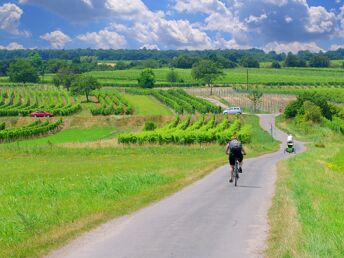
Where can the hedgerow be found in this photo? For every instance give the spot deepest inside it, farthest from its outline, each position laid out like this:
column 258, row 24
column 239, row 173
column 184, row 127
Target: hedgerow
column 35, row 129
column 179, row 100
column 185, row 132
column 111, row 102
column 22, row 101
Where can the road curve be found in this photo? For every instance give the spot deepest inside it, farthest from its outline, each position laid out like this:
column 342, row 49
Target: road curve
column 210, row 218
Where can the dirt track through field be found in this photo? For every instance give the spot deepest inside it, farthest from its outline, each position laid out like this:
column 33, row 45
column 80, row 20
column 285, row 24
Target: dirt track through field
column 210, row 218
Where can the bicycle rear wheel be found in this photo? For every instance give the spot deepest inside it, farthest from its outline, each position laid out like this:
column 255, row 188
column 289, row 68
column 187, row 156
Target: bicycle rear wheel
column 236, row 173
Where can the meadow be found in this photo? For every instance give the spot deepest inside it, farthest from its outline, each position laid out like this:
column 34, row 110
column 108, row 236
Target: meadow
column 85, row 164
column 265, row 76
column 307, row 214
column 42, row 182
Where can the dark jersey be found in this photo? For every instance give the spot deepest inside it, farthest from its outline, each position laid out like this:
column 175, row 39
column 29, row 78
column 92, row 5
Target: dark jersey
column 235, row 147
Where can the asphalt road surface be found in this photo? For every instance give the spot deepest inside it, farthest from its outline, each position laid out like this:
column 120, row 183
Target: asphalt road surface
column 210, row 218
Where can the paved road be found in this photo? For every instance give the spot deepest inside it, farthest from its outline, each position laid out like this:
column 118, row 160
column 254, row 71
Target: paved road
column 210, row 218
column 214, row 101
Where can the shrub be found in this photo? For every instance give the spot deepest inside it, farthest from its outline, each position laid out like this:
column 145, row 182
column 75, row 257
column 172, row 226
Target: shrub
column 172, row 76
column 312, row 112
column 275, row 65
column 149, row 126
column 146, row 79
column 292, row 109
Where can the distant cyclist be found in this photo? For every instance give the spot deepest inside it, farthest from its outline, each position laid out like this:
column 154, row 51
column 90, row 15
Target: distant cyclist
column 235, row 150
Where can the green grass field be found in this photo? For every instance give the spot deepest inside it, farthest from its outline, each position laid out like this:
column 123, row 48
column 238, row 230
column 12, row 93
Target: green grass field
column 42, row 184
column 263, row 75
column 307, row 216
column 77, row 135
column 147, row 106
column 232, row 76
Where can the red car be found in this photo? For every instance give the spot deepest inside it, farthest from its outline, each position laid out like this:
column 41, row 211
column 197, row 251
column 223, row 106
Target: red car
column 41, row 114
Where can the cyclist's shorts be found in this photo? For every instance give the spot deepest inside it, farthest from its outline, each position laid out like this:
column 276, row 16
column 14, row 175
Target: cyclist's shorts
column 233, row 156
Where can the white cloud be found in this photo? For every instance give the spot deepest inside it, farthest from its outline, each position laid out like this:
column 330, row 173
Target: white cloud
column 293, row 47
column 320, row 20
column 56, row 38
column 148, row 46
column 220, row 17
column 265, row 20
column 10, row 15
column 336, row 47
column 89, row 3
column 221, row 43
column 152, row 28
column 256, row 19
column 340, row 18
column 104, row 39
column 288, row 19
column 204, row 6
column 12, row 46
column 129, row 9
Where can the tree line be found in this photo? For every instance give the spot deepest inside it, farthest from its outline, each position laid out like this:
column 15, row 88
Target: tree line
column 143, row 54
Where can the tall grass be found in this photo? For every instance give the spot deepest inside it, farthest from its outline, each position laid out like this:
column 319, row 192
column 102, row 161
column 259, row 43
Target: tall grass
column 50, row 194
column 307, row 214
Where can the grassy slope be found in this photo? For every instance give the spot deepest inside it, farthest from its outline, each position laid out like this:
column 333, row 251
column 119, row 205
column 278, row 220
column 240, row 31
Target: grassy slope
column 75, row 134
column 238, row 75
column 147, row 106
column 42, row 186
column 307, row 216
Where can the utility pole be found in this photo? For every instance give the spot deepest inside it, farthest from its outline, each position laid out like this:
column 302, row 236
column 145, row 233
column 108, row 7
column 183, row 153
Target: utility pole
column 246, row 78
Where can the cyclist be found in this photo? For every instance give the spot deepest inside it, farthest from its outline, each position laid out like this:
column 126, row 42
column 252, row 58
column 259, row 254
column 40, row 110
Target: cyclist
column 234, row 150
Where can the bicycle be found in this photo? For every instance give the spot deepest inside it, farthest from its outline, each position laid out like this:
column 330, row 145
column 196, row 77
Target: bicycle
column 236, row 172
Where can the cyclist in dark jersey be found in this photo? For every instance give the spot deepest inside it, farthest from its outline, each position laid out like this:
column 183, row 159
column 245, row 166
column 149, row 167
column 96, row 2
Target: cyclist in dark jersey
column 235, row 150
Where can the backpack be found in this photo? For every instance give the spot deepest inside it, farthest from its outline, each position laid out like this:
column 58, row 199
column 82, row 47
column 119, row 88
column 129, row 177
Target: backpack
column 235, row 146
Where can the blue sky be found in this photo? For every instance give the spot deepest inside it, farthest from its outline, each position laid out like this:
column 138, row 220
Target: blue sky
column 280, row 25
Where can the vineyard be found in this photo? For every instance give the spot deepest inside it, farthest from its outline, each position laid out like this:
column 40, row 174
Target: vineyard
column 22, row 101
column 334, row 94
column 187, row 132
column 111, row 102
column 270, row 102
column 180, row 101
column 36, row 128
column 263, row 76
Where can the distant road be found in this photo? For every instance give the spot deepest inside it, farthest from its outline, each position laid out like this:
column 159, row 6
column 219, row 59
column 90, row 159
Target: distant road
column 214, row 101
column 210, row 218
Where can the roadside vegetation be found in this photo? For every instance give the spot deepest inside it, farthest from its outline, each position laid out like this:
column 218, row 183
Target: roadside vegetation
column 307, row 214
column 42, row 183
column 117, row 150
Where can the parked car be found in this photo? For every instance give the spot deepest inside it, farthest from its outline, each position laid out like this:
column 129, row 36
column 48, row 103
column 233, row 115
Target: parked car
column 41, row 114
column 232, row 111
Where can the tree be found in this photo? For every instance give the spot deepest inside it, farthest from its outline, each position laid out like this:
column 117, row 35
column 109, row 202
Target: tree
column 293, row 61
column 249, row 62
column 206, row 71
column 255, row 96
column 172, row 76
column 35, row 59
column 275, row 65
column 84, row 84
column 319, row 61
column 312, row 112
column 22, row 70
column 150, row 63
column 183, row 62
column 146, row 79
column 4, row 67
column 120, row 65
column 64, row 77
